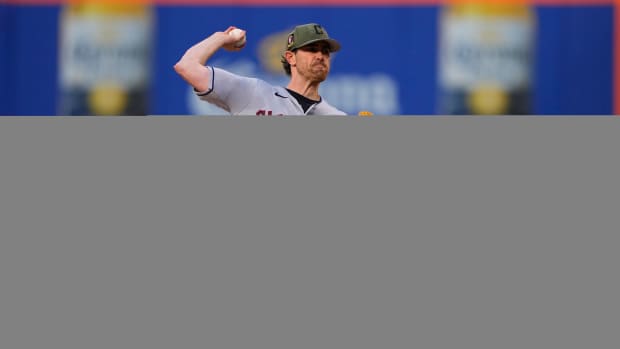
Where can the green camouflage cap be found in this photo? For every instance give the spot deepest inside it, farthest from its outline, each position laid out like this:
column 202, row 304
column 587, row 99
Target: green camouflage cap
column 306, row 34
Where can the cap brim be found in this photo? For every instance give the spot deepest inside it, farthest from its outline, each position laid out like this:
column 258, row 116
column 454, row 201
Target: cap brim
column 333, row 44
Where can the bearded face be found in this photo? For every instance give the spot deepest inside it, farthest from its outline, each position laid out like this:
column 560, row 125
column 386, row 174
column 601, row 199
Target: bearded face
column 313, row 61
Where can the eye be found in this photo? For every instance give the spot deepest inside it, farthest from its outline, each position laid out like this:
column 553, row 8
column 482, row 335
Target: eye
column 318, row 48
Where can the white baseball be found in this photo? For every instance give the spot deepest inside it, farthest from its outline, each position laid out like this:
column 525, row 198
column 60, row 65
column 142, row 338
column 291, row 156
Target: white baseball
column 239, row 35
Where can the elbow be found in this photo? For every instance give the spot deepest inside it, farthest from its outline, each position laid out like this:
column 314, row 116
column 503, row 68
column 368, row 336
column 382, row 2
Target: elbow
column 180, row 67
column 193, row 73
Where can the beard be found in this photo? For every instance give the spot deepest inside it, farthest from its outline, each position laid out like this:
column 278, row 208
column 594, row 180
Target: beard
column 317, row 72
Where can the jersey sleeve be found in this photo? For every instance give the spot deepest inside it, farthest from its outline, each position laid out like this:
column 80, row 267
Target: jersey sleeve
column 228, row 91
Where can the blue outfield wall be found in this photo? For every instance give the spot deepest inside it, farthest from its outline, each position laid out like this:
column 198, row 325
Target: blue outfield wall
column 30, row 60
column 378, row 69
column 574, row 64
column 4, row 55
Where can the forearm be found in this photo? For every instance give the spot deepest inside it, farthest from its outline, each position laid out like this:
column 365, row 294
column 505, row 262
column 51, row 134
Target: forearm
column 191, row 66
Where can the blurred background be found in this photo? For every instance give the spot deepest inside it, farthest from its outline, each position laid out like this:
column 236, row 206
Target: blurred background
column 399, row 57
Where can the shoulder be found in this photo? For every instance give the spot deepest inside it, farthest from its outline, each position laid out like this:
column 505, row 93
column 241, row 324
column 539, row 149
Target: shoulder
column 223, row 74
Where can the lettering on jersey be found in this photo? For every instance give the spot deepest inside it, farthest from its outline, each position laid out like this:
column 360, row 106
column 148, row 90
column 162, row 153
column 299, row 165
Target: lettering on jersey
column 266, row 112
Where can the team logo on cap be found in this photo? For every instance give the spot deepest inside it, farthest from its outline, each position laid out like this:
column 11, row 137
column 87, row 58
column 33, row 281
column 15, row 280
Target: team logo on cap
column 291, row 40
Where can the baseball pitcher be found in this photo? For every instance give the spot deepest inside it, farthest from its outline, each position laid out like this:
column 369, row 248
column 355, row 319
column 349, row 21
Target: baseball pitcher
column 306, row 60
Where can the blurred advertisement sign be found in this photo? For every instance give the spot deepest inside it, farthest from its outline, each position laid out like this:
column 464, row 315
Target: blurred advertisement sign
column 105, row 54
column 486, row 58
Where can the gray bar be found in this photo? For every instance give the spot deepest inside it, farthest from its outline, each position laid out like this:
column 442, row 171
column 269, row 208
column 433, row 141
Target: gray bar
column 283, row 232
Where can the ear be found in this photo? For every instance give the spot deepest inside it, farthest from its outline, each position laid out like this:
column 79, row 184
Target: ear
column 290, row 57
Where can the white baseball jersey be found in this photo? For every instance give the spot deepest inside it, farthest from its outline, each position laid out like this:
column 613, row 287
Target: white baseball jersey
column 240, row 95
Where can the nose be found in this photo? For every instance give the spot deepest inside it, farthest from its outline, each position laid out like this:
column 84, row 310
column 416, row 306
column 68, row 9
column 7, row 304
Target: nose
column 323, row 53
